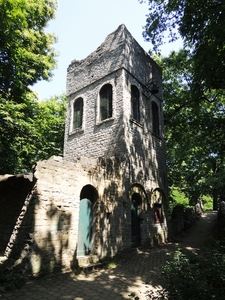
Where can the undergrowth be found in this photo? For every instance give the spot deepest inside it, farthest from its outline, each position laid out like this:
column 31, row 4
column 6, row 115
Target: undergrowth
column 10, row 278
column 196, row 275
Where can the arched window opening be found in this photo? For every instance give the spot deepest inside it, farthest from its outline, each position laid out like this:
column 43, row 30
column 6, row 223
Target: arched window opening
column 136, row 199
column 157, row 201
column 135, row 101
column 158, row 216
column 88, row 191
column 155, row 118
column 78, row 113
column 106, row 102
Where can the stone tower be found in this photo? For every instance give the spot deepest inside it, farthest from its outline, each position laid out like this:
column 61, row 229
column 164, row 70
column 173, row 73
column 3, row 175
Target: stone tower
column 115, row 106
column 109, row 191
column 115, row 124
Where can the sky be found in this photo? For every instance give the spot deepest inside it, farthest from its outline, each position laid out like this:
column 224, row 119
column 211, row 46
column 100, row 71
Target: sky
column 82, row 25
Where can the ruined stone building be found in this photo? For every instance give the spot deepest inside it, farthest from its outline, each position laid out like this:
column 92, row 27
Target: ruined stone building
column 109, row 191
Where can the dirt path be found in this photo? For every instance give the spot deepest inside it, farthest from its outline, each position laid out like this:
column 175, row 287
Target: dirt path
column 200, row 234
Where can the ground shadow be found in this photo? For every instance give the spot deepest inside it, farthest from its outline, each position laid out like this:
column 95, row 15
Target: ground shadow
column 136, row 271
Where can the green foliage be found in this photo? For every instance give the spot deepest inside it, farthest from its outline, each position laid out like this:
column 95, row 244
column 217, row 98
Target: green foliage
column 14, row 129
column 10, row 279
column 26, row 53
column 193, row 131
column 201, row 25
column 194, row 85
column 196, row 276
column 178, row 197
column 30, row 131
column 207, row 202
column 49, row 121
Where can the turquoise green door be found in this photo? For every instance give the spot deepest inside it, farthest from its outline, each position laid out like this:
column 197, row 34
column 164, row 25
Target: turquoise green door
column 84, row 228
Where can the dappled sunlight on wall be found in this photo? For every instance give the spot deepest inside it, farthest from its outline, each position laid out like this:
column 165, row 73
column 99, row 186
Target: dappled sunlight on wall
column 111, row 165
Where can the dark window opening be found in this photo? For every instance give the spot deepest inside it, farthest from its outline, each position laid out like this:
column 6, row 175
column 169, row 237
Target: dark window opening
column 106, row 102
column 135, row 101
column 135, row 220
column 89, row 192
column 78, row 113
column 158, row 215
column 155, row 118
column 136, row 199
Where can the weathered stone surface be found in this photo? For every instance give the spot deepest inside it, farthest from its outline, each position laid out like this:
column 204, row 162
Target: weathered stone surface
column 119, row 51
column 118, row 164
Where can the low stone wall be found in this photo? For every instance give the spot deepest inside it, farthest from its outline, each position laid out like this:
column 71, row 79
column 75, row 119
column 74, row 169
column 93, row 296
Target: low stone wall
column 42, row 232
column 221, row 210
column 38, row 225
column 184, row 218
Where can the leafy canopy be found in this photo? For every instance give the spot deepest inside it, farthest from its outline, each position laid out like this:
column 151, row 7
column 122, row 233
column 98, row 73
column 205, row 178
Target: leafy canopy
column 194, row 131
column 26, row 52
column 30, row 131
column 194, row 83
column 201, row 25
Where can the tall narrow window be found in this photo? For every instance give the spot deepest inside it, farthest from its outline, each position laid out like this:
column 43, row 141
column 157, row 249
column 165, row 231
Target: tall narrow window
column 78, row 113
column 135, row 101
column 106, row 102
column 155, row 118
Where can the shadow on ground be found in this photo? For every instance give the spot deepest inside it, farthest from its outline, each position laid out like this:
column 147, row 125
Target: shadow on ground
column 133, row 273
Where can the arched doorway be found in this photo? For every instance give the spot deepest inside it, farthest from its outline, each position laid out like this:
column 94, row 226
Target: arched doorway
column 88, row 197
column 135, row 220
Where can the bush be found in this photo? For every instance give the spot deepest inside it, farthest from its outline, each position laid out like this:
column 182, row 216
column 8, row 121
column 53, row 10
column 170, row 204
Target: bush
column 196, row 276
column 10, row 278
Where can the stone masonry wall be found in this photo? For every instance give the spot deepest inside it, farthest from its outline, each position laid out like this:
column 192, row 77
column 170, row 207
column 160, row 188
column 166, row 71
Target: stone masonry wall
column 146, row 151
column 119, row 50
column 122, row 62
column 96, row 139
column 47, row 236
column 119, row 135
column 108, row 162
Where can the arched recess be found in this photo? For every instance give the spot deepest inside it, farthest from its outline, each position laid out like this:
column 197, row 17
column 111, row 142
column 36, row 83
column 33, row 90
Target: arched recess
column 90, row 192
column 88, row 197
column 138, row 201
column 78, row 113
column 158, row 203
column 106, row 102
column 155, row 118
column 135, row 101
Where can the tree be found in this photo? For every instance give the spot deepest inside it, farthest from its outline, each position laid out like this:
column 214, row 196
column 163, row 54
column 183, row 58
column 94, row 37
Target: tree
column 195, row 100
column 49, row 120
column 30, row 131
column 201, row 25
column 26, row 52
column 26, row 56
column 194, row 131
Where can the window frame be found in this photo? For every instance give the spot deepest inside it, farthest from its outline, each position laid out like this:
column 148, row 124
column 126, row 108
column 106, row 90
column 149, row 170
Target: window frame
column 155, row 118
column 106, row 94
column 135, row 103
column 79, row 102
